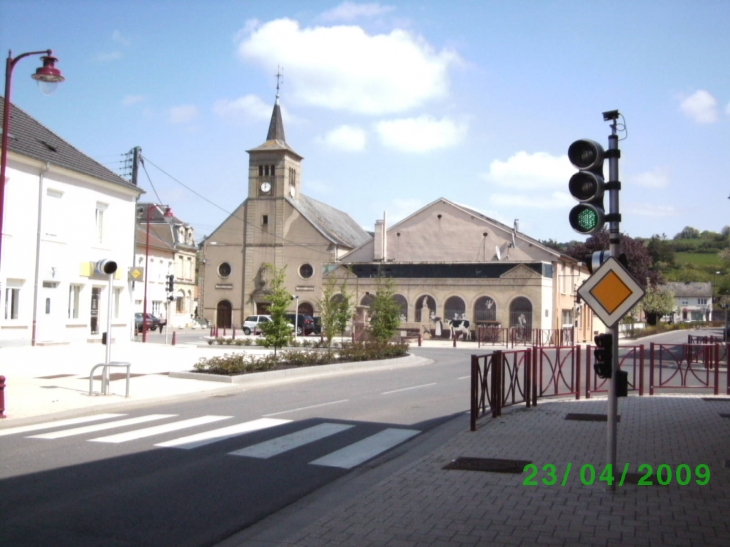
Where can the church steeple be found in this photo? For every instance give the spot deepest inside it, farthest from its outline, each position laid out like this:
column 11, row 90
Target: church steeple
column 276, row 126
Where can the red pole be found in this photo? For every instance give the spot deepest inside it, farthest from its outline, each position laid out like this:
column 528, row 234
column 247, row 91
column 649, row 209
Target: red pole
column 174, row 340
column 233, row 333
column 2, row 396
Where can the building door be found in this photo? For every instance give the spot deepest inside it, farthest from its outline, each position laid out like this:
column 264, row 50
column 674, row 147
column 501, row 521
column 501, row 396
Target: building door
column 224, row 315
column 95, row 297
column 50, row 313
column 262, row 308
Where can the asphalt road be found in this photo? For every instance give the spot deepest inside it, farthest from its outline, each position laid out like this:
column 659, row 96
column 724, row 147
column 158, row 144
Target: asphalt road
column 115, row 481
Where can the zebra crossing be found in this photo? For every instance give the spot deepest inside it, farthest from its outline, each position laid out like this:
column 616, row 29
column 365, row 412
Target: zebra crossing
column 348, row 457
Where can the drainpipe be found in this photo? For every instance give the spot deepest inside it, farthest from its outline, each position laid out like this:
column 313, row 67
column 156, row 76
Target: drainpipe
column 41, row 177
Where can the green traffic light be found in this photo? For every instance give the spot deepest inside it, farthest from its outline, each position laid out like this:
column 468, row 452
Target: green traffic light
column 586, row 218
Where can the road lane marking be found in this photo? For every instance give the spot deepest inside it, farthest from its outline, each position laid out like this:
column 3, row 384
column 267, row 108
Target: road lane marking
column 102, row 427
column 407, row 388
column 294, row 440
column 158, row 429
column 464, row 378
column 361, row 451
column 305, row 408
column 58, row 423
column 208, row 437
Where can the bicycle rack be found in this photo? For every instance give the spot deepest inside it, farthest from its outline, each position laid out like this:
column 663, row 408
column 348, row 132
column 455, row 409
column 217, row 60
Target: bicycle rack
column 105, row 377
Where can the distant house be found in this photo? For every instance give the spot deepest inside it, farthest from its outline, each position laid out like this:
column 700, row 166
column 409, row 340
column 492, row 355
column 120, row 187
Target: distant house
column 693, row 300
column 63, row 212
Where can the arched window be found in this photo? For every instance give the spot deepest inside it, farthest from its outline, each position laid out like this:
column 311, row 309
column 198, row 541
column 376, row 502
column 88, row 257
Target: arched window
column 520, row 313
column 403, row 304
column 367, row 300
column 485, row 309
column 423, row 315
column 306, row 308
column 454, row 308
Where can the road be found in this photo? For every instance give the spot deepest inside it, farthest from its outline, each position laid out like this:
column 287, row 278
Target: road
column 194, row 473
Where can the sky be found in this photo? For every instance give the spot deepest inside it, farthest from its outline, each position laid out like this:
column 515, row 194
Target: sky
column 395, row 104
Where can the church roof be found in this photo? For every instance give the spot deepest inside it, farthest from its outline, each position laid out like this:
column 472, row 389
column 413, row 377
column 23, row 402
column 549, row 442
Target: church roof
column 275, row 139
column 336, row 225
column 30, row 138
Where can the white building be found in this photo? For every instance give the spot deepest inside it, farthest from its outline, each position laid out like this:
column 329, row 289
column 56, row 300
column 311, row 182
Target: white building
column 693, row 300
column 63, row 212
column 170, row 250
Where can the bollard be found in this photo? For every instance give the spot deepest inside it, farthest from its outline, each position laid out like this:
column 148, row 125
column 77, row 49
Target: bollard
column 420, row 339
column 455, row 335
column 2, row 396
column 233, row 333
column 174, row 338
column 211, row 330
column 224, row 332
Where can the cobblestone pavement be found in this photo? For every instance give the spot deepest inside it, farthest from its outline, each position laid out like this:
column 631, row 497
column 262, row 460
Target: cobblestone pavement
column 421, row 504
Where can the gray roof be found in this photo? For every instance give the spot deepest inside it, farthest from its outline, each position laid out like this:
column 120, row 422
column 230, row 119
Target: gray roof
column 276, row 126
column 337, row 225
column 694, row 289
column 30, row 138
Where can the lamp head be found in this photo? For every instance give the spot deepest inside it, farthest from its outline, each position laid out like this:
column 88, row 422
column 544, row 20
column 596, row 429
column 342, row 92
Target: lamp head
column 48, row 76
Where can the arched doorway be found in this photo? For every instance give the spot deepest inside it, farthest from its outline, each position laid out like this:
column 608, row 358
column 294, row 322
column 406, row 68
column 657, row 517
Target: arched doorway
column 454, row 308
column 367, row 300
column 520, row 313
column 224, row 313
column 426, row 301
column 306, row 308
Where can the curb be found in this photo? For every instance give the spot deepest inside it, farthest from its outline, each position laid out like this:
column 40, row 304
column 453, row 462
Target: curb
column 305, row 372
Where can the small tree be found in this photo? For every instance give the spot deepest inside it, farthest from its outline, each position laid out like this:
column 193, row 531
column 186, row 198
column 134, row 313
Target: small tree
column 278, row 331
column 386, row 310
column 657, row 302
column 335, row 308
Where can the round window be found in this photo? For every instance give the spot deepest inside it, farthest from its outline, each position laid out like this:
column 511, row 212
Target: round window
column 224, row 270
column 306, row 271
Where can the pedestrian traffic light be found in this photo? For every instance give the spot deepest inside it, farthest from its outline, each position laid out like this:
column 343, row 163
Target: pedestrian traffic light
column 170, row 283
column 587, row 186
column 603, row 355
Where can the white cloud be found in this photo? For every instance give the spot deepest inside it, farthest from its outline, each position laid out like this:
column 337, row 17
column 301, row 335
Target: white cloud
column 701, row 107
column 183, row 114
column 651, row 210
column 120, row 39
column 421, row 134
column 531, row 171
column 344, row 68
column 658, row 178
column 108, row 56
column 349, row 138
column 248, row 106
column 349, row 11
column 130, row 100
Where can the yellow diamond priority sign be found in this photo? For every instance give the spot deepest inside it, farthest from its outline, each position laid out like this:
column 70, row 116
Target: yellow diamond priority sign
column 611, row 292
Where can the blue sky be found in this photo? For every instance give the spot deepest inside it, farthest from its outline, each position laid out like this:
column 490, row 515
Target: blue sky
column 396, row 104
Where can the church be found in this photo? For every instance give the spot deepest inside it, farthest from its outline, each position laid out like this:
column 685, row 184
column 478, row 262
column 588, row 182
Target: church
column 448, row 261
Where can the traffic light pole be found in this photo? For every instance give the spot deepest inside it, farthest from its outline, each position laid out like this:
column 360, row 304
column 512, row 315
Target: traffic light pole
column 614, row 240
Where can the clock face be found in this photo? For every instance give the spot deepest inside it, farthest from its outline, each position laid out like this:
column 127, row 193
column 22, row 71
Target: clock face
column 266, row 187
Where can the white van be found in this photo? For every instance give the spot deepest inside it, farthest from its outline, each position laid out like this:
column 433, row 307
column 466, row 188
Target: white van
column 252, row 322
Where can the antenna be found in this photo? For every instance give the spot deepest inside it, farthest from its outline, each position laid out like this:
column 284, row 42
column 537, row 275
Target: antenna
column 279, row 80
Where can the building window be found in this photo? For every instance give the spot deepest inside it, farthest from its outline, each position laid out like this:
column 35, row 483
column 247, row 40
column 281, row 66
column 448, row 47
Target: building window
column 156, row 307
column 261, row 170
column 74, row 297
column 265, row 219
column 306, row 271
column 53, row 220
column 99, row 221
column 12, row 303
column 117, row 301
column 180, row 304
column 224, row 270
column 702, row 300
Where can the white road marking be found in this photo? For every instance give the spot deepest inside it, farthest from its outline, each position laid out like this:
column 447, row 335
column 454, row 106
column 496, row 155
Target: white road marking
column 357, row 453
column 306, row 407
column 208, row 437
column 285, row 443
column 58, row 423
column 407, row 388
column 158, row 429
column 464, row 378
column 102, row 427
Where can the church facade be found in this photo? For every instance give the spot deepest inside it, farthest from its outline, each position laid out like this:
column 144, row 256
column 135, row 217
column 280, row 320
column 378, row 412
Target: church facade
column 447, row 260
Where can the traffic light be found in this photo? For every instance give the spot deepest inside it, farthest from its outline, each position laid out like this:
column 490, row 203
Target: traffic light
column 603, row 355
column 105, row 266
column 170, row 287
column 587, row 186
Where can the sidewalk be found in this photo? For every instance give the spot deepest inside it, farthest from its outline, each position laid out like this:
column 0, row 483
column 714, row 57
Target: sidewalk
column 406, row 498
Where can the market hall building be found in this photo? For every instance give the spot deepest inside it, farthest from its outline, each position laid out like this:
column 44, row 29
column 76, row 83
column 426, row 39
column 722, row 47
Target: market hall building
column 447, row 260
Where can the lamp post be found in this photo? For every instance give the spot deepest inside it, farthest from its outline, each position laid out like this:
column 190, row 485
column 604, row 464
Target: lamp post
column 47, row 76
column 296, row 316
column 168, row 217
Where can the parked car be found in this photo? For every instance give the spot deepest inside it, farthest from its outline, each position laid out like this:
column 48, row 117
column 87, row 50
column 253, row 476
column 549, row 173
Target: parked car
column 253, row 322
column 152, row 322
column 305, row 323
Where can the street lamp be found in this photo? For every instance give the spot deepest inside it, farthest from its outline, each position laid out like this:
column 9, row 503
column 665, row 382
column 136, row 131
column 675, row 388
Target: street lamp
column 168, row 216
column 48, row 77
column 296, row 316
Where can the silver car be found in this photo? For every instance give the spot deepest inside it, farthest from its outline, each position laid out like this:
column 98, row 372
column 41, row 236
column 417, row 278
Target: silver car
column 253, row 322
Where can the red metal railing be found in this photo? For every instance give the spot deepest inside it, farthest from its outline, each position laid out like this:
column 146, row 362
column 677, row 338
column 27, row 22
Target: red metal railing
column 631, row 359
column 686, row 366
column 522, row 336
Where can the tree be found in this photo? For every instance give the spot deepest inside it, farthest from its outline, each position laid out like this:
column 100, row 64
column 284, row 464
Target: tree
column 278, row 331
column 688, row 233
column 386, row 311
column 335, row 308
column 657, row 302
column 639, row 260
column 661, row 252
